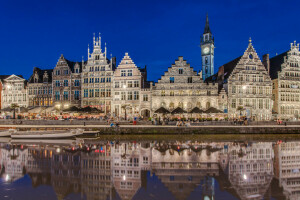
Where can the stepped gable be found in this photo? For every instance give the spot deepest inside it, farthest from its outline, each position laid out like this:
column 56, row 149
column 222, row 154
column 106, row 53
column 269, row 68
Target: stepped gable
column 72, row 64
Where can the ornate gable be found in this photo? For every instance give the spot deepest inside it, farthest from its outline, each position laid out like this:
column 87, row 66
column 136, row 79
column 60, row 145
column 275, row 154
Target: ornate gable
column 14, row 78
column 62, row 61
column 293, row 57
column 249, row 63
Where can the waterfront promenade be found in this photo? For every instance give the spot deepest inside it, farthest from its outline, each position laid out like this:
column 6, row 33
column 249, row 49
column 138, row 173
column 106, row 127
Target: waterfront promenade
column 164, row 129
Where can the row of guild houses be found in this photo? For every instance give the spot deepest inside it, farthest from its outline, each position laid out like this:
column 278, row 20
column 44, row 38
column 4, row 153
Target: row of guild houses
column 246, row 86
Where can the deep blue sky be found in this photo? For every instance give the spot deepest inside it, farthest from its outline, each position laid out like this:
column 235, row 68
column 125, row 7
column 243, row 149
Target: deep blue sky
column 154, row 33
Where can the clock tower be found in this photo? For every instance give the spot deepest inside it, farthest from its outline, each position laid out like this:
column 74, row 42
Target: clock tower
column 207, row 52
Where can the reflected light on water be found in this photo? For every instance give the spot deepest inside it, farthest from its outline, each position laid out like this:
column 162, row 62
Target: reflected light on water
column 95, row 169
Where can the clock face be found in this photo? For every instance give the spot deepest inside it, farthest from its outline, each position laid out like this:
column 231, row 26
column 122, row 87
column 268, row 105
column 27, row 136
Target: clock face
column 205, row 50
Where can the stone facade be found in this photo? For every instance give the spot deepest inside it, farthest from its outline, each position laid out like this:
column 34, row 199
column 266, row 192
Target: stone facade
column 129, row 160
column 249, row 168
column 250, row 88
column 96, row 79
column 285, row 72
column 96, row 177
column 287, row 162
column 182, row 87
column 14, row 91
column 66, row 83
column 40, row 88
column 131, row 91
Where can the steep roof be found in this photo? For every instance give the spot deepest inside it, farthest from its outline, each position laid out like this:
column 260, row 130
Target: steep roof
column 41, row 73
column 2, row 77
column 228, row 68
column 275, row 64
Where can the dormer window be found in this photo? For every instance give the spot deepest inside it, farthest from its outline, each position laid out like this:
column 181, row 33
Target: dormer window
column 76, row 70
column 180, row 71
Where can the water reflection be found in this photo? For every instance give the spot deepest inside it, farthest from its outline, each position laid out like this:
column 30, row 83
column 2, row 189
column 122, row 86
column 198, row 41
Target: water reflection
column 156, row 170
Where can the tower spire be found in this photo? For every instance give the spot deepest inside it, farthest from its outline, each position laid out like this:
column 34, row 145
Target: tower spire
column 207, row 29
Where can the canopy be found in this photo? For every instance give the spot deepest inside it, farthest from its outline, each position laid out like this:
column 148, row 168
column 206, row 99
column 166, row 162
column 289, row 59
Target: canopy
column 213, row 110
column 196, row 110
column 90, row 110
column 178, row 110
column 162, row 110
column 17, row 109
column 72, row 109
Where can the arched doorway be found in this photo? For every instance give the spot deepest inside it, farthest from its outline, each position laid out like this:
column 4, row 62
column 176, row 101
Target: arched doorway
column 145, row 113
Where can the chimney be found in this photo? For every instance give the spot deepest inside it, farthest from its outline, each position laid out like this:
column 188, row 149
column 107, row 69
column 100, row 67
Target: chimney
column 266, row 62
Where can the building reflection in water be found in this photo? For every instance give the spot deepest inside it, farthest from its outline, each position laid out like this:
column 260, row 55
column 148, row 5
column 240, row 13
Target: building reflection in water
column 115, row 169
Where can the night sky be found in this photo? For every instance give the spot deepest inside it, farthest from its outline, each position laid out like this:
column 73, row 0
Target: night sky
column 154, row 33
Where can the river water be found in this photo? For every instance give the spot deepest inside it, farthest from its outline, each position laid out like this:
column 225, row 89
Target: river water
column 122, row 168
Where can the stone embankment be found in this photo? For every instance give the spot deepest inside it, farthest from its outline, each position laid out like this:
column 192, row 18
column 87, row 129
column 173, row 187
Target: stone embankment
column 165, row 130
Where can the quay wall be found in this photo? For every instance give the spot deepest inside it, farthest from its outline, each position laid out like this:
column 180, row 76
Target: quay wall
column 168, row 130
column 198, row 130
column 104, row 122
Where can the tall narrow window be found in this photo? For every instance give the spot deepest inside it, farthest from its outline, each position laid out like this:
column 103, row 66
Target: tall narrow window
column 129, row 72
column 171, row 79
column 123, row 72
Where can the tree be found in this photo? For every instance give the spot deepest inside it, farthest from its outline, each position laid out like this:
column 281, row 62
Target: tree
column 240, row 108
column 14, row 106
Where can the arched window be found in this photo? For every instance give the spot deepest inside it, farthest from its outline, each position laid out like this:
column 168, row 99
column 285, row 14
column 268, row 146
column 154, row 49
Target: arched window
column 207, row 105
column 180, row 104
column 171, row 106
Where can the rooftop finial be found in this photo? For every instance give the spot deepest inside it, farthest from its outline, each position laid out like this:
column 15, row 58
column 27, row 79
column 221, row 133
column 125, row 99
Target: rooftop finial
column 250, row 41
column 105, row 50
column 94, row 40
